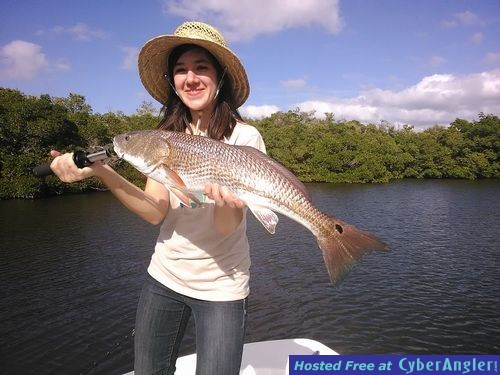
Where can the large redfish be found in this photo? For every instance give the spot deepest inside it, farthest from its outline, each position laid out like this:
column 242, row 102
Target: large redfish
column 184, row 163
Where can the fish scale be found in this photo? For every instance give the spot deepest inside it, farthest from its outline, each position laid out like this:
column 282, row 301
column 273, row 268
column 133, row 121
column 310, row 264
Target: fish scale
column 185, row 162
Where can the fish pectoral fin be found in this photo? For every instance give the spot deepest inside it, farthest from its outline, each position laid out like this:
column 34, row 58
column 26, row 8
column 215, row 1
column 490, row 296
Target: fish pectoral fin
column 186, row 197
column 177, row 186
column 266, row 217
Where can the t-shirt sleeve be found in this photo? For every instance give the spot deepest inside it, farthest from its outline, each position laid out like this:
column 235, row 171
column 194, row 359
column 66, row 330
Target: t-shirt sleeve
column 249, row 136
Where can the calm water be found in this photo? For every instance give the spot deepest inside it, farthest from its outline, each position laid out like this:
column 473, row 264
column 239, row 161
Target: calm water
column 71, row 269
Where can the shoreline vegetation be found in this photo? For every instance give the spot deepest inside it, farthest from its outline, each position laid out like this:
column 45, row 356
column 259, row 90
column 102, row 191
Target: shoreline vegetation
column 314, row 149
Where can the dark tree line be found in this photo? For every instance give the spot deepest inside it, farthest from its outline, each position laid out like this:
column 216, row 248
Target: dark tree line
column 319, row 150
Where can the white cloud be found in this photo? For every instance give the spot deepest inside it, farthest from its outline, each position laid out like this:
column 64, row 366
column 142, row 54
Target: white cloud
column 492, row 58
column 254, row 111
column 436, row 99
column 81, row 31
column 58, row 29
column 84, row 32
column 477, row 38
column 60, row 65
column 21, row 60
column 130, row 60
column 294, row 83
column 244, row 19
column 466, row 18
column 436, row 61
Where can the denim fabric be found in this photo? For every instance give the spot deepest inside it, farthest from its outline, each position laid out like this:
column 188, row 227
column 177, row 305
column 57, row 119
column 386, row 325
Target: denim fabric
column 162, row 317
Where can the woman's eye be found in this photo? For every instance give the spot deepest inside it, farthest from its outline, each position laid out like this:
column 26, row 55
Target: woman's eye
column 179, row 71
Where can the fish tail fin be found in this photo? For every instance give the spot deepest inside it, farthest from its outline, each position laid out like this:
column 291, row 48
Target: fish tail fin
column 343, row 245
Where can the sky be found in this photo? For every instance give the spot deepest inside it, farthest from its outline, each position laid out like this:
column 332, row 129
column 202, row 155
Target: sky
column 421, row 63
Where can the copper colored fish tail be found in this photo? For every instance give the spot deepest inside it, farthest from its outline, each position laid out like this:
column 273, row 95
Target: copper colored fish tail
column 343, row 245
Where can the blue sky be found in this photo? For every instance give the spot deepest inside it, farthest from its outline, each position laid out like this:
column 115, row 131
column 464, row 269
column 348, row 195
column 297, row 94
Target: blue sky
column 420, row 62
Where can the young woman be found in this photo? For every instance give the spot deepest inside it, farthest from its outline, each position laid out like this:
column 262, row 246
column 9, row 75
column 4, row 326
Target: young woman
column 200, row 266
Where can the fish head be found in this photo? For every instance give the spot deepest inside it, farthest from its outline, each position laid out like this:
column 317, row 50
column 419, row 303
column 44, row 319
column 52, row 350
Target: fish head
column 145, row 150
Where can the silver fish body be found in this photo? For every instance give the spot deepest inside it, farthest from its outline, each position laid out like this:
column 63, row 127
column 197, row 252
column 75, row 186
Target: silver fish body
column 184, row 163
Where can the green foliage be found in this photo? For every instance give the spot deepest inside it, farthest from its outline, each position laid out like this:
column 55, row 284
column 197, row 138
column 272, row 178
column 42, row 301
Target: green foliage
column 316, row 150
column 32, row 126
column 348, row 151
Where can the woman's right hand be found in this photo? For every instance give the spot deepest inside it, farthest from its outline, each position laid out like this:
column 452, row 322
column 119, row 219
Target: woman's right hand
column 150, row 204
column 65, row 168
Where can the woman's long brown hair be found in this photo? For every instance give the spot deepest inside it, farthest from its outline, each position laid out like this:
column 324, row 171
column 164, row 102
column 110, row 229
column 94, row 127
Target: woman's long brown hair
column 176, row 115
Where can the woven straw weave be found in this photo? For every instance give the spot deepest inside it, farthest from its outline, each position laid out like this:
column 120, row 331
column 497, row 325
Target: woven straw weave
column 201, row 31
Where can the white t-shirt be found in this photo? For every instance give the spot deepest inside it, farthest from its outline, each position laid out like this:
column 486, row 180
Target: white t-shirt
column 192, row 258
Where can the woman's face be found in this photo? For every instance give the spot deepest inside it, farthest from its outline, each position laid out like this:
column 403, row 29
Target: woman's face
column 195, row 80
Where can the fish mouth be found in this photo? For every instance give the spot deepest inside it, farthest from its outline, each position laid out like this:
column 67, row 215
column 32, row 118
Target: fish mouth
column 116, row 149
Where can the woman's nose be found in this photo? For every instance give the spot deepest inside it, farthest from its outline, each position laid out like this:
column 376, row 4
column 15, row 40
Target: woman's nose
column 191, row 77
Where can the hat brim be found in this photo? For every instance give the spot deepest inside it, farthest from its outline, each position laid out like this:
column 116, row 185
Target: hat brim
column 152, row 64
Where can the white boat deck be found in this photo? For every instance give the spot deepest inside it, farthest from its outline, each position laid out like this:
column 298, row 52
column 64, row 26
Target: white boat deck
column 263, row 358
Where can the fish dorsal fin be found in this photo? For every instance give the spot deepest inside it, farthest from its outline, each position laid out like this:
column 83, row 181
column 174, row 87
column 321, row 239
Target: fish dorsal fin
column 266, row 217
column 278, row 167
column 177, row 186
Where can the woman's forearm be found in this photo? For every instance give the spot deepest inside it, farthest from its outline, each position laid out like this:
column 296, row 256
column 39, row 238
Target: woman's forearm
column 150, row 204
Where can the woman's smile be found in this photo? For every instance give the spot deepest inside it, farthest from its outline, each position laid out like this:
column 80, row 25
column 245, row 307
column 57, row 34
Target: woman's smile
column 194, row 92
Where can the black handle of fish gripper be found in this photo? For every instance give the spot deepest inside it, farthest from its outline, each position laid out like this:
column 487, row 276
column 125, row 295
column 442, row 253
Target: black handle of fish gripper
column 79, row 157
column 42, row 170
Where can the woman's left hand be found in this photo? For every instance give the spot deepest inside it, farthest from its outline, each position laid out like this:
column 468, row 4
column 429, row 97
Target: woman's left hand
column 222, row 196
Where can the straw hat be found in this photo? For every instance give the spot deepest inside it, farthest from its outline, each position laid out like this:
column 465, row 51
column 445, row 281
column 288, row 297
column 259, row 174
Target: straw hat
column 154, row 55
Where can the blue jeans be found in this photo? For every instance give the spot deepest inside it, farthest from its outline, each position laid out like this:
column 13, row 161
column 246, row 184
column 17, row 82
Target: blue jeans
column 162, row 317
